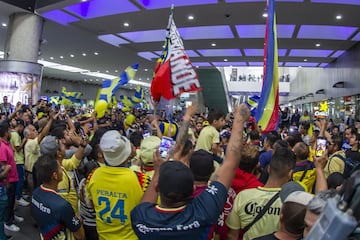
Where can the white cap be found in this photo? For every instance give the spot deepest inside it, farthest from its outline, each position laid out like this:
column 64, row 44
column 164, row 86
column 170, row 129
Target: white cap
column 115, row 147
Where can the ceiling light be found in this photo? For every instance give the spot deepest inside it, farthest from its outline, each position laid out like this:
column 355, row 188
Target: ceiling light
column 52, row 58
column 191, row 17
column 148, row 79
column 338, row 17
column 84, row 54
column 97, row 80
column 305, row 60
column 126, row 24
column 107, row 71
column 85, row 80
column 116, row 70
column 265, row 15
column 91, row 80
column 225, row 60
column 197, row 66
column 213, row 44
column 139, row 78
column 83, row 0
column 72, row 55
column 145, row 69
column 318, row 45
column 61, row 56
column 4, row 24
column 96, row 53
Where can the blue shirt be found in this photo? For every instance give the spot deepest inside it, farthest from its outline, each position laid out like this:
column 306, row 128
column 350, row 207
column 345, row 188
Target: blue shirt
column 265, row 158
column 53, row 214
column 192, row 221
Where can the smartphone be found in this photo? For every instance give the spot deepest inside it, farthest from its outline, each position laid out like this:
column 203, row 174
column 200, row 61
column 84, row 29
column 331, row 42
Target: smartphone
column 165, row 146
column 62, row 109
column 320, row 146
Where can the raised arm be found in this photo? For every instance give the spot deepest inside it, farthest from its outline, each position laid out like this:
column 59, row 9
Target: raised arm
column 182, row 137
column 226, row 172
column 47, row 127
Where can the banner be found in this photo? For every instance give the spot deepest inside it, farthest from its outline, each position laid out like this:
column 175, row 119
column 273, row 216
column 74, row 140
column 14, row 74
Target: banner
column 174, row 73
column 268, row 105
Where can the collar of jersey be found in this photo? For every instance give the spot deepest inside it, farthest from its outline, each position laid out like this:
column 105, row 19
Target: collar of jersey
column 269, row 189
column 47, row 189
column 172, row 210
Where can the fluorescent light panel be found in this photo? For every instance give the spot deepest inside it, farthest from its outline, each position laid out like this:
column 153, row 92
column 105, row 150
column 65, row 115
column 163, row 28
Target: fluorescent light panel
column 258, row 30
column 260, row 52
column 99, row 75
column 338, row 54
column 227, row 64
column 309, row 53
column 303, row 64
column 147, row 55
column 201, row 64
column 156, row 4
column 145, row 36
column 140, row 83
column 352, row 2
column 100, row 8
column 220, row 52
column 357, row 37
column 323, row 65
column 206, row 32
column 112, row 39
column 325, row 32
column 60, row 17
column 234, row 1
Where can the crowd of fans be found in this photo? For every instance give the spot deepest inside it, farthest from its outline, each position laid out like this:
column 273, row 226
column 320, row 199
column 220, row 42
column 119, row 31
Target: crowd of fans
column 223, row 178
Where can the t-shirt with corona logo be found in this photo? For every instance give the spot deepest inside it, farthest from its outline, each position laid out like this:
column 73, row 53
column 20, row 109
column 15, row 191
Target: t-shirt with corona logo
column 248, row 204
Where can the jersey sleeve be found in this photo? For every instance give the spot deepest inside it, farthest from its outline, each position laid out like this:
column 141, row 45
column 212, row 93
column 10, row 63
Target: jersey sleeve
column 70, row 220
column 233, row 220
column 211, row 202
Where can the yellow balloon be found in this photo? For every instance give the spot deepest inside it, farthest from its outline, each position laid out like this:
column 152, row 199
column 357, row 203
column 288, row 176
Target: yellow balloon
column 100, row 108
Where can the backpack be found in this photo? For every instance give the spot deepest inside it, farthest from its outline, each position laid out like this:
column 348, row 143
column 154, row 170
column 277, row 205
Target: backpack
column 305, row 174
column 350, row 165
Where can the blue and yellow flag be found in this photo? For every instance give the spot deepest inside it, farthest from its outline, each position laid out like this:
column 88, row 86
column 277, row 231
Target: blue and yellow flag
column 268, row 105
column 68, row 98
column 139, row 94
column 252, row 103
column 110, row 87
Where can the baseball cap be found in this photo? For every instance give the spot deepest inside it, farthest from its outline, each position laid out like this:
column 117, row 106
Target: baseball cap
column 299, row 197
column 176, row 180
column 201, row 165
column 205, row 123
column 115, row 147
column 49, row 145
column 289, row 188
column 226, row 134
column 147, row 148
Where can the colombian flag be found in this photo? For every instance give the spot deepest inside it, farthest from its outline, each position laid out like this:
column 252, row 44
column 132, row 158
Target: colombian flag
column 268, row 105
column 174, row 73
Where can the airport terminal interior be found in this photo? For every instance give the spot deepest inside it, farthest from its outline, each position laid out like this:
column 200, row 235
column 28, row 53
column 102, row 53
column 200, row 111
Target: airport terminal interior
column 76, row 70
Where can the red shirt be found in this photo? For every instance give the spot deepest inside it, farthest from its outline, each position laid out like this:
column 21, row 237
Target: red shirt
column 7, row 156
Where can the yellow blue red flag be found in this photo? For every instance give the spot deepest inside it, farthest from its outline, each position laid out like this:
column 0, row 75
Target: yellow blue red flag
column 268, row 105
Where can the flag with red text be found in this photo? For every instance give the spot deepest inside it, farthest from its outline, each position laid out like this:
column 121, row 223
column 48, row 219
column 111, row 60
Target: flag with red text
column 174, row 73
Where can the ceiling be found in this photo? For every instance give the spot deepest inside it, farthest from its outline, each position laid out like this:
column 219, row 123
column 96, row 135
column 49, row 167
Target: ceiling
column 222, row 33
